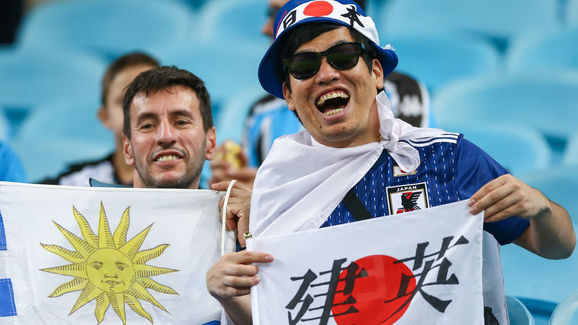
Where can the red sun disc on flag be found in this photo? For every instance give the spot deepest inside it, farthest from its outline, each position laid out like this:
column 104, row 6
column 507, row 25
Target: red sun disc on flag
column 376, row 292
column 318, row 9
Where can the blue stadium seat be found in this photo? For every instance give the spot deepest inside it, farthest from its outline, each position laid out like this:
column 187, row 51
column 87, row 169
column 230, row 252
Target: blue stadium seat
column 541, row 310
column 109, row 27
column 566, row 313
column 518, row 313
column 530, row 276
column 31, row 78
column 59, row 133
column 518, row 148
column 571, row 12
column 223, row 67
column 68, row 118
column 571, row 152
column 440, row 60
column 548, row 50
column 545, row 101
column 238, row 21
column 496, row 20
column 50, row 157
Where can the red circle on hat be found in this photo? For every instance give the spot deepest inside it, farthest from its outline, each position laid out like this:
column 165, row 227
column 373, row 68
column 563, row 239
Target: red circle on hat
column 318, row 9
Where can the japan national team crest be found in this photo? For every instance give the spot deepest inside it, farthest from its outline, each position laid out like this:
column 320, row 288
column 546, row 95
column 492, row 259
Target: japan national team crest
column 405, row 198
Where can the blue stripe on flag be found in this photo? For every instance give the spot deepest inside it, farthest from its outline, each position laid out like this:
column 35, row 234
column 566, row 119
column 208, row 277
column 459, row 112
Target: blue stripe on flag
column 2, row 235
column 7, row 306
column 214, row 322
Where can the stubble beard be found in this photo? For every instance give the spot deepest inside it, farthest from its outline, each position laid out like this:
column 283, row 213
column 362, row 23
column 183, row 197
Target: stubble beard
column 191, row 176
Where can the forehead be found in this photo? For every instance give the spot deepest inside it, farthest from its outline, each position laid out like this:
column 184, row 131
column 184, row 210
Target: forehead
column 277, row 3
column 169, row 100
column 126, row 76
column 326, row 40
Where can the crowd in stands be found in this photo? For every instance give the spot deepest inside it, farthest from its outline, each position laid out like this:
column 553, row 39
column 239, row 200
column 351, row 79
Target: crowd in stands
column 491, row 71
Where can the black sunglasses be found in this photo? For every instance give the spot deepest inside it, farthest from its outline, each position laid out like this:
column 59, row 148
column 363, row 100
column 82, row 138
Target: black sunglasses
column 342, row 56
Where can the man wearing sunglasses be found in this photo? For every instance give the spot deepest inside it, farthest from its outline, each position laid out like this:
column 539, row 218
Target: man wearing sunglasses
column 326, row 62
column 270, row 119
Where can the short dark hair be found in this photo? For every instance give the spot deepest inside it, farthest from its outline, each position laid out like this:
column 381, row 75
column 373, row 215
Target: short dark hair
column 163, row 77
column 307, row 32
column 132, row 59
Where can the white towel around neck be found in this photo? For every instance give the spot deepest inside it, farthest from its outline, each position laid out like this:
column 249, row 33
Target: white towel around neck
column 301, row 181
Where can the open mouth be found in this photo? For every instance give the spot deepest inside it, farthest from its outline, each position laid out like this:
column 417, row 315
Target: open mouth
column 332, row 102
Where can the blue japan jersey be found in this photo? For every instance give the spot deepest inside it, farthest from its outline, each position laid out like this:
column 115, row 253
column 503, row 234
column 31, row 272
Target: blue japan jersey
column 451, row 169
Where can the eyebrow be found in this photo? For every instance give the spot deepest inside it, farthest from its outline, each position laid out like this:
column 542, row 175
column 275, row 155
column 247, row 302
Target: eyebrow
column 145, row 116
column 183, row 112
column 178, row 112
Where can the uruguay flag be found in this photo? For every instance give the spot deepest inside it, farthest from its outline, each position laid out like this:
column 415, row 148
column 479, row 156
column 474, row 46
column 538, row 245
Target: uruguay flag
column 76, row 255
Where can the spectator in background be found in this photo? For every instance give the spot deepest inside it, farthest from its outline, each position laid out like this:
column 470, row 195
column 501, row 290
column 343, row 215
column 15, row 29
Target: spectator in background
column 269, row 118
column 10, row 168
column 111, row 169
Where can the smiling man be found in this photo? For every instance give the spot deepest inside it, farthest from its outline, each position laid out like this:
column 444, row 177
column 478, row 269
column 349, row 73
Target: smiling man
column 354, row 157
column 168, row 128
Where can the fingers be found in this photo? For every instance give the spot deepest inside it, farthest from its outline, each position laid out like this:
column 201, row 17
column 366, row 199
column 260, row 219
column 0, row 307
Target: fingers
column 490, row 198
column 247, row 257
column 220, row 186
column 234, row 274
column 507, row 196
column 487, row 188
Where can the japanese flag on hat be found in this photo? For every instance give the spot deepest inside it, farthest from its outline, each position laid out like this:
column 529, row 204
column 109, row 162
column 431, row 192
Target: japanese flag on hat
column 297, row 12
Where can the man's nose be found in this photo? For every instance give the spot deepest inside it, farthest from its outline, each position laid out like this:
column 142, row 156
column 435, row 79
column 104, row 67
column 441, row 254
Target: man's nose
column 165, row 133
column 326, row 73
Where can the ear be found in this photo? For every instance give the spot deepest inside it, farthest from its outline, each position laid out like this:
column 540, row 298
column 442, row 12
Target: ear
column 377, row 72
column 127, row 150
column 103, row 116
column 211, row 139
column 288, row 97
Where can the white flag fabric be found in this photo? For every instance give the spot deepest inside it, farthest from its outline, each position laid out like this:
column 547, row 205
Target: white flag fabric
column 422, row 267
column 80, row 255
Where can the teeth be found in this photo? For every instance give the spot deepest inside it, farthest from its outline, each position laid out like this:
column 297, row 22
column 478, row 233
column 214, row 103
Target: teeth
column 331, row 95
column 333, row 112
column 168, row 158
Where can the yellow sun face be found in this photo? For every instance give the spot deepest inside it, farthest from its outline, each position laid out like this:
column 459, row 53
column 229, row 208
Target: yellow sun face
column 108, row 268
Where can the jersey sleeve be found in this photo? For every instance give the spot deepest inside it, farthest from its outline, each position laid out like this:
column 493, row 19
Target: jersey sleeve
column 10, row 167
column 475, row 168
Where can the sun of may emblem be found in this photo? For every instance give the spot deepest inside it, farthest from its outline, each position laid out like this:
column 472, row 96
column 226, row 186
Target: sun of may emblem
column 108, row 268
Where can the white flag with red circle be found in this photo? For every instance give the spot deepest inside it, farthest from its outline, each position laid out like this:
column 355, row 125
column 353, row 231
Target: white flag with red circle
column 422, row 267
